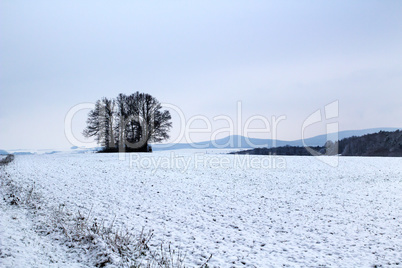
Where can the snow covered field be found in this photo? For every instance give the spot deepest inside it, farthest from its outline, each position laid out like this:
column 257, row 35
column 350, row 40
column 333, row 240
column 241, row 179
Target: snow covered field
column 252, row 211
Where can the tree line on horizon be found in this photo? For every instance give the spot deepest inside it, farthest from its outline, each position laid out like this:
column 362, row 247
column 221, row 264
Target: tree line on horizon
column 383, row 143
column 128, row 122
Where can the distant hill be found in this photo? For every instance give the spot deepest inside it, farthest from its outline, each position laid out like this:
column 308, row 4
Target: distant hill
column 2, row 152
column 383, row 143
column 236, row 141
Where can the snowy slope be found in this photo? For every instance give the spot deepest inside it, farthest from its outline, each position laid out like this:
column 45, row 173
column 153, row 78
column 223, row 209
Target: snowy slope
column 21, row 246
column 292, row 211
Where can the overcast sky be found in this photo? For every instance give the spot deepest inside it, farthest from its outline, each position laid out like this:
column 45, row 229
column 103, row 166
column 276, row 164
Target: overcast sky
column 277, row 57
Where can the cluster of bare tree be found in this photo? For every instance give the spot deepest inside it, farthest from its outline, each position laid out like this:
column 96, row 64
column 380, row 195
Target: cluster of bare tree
column 128, row 123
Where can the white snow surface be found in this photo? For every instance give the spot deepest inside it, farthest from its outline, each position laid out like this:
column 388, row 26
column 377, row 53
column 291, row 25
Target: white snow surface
column 21, row 246
column 293, row 211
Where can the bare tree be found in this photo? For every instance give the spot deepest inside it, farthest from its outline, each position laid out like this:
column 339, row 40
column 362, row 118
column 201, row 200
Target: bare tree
column 121, row 116
column 153, row 124
column 100, row 123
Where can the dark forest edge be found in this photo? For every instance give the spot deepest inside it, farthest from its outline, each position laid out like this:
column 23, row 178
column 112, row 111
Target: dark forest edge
column 383, row 143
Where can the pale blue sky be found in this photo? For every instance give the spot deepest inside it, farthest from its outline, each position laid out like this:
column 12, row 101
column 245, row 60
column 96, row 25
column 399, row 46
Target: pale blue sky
column 277, row 57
